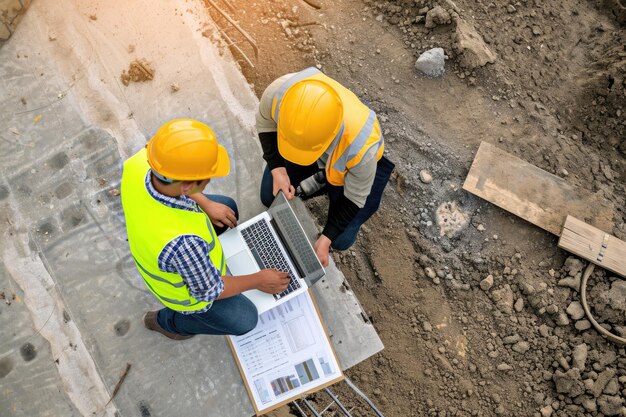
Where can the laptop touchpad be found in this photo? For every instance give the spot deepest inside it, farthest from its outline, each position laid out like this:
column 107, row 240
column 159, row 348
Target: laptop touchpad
column 242, row 263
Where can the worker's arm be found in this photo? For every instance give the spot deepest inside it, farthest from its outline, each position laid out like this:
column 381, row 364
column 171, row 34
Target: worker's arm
column 270, row 281
column 187, row 255
column 276, row 165
column 220, row 214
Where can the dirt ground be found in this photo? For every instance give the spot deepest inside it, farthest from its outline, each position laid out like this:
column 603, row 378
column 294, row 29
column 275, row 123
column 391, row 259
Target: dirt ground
column 483, row 320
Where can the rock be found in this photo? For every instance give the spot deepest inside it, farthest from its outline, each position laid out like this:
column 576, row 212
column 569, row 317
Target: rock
column 427, row 326
column 573, row 266
column 437, row 16
column 425, row 177
column 430, row 273
column 575, row 310
column 617, row 295
column 601, row 382
column 610, row 405
column 432, row 64
column 544, row 330
column 486, row 283
column 573, row 283
column 470, row 46
column 579, row 356
column 589, row 404
column 504, row 367
column 612, row 388
column 504, row 299
column 582, row 325
column 568, row 382
column 562, row 319
column 521, row 347
column 519, row 305
column 546, row 411
column 552, row 309
column 509, row 340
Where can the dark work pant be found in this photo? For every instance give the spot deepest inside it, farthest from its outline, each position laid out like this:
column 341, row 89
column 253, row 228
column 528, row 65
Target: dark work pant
column 297, row 173
column 234, row 315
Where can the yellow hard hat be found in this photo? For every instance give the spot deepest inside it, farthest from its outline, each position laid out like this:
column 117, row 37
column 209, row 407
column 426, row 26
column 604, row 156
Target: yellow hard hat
column 309, row 117
column 187, row 150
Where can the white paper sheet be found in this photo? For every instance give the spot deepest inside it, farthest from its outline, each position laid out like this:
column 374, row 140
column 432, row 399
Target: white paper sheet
column 287, row 354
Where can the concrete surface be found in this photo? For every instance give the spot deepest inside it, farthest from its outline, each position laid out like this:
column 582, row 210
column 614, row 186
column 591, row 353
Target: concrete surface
column 71, row 300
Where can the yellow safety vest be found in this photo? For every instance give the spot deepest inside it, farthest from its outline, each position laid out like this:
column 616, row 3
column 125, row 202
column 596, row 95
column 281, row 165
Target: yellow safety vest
column 151, row 225
column 360, row 133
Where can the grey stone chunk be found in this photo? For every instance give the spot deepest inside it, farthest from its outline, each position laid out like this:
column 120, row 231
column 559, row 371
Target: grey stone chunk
column 431, row 63
column 589, row 404
column 579, row 356
column 610, row 405
column 612, row 388
column 504, row 299
column 521, row 347
column 582, row 325
column 601, row 382
column 509, row 340
column 568, row 382
column 487, row 283
column 575, row 310
column 546, row 411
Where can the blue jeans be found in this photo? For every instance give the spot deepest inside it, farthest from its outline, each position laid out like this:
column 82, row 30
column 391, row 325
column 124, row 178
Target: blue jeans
column 234, row 315
column 297, row 173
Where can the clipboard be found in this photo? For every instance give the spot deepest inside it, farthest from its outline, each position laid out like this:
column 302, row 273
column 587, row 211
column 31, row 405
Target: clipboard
column 288, row 355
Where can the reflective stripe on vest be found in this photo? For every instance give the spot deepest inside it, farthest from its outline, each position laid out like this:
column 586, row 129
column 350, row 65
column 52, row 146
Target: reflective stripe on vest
column 151, row 226
column 360, row 132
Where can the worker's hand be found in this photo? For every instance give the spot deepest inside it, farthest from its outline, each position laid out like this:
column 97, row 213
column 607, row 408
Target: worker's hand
column 220, row 214
column 281, row 182
column 272, row 281
column 322, row 248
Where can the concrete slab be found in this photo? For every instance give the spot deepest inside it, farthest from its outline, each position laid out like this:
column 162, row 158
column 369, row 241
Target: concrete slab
column 71, row 316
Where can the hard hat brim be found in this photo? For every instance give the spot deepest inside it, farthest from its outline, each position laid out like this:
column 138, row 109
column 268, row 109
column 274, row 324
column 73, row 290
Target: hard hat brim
column 297, row 155
column 223, row 163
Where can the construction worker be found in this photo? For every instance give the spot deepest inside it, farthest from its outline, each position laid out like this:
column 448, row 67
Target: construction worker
column 314, row 130
column 172, row 237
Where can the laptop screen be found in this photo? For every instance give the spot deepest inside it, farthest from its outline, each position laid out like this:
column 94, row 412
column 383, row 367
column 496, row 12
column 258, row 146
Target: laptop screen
column 295, row 240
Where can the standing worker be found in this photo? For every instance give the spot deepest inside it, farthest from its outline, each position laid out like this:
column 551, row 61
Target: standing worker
column 317, row 136
column 171, row 234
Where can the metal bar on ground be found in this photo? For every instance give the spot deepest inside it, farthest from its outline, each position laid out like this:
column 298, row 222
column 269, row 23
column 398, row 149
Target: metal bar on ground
column 336, row 400
column 233, row 44
column 300, row 410
column 232, row 22
column 358, row 391
column 310, row 407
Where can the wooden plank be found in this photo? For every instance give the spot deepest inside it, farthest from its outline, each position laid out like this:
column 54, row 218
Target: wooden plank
column 594, row 245
column 533, row 194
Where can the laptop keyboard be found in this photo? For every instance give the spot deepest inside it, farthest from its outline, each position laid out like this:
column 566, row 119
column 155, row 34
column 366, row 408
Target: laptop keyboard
column 265, row 249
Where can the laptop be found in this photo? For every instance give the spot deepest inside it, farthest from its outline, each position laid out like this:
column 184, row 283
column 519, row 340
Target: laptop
column 272, row 239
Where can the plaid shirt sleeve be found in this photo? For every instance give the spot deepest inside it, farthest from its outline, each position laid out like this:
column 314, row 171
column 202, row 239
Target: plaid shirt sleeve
column 187, row 255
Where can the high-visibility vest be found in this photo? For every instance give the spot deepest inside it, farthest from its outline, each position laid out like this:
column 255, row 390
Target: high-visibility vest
column 361, row 130
column 151, row 225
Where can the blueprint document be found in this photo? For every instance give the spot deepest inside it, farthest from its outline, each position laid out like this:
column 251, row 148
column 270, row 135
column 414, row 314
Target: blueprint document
column 286, row 355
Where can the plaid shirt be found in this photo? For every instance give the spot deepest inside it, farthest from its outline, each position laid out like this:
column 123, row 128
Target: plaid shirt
column 188, row 255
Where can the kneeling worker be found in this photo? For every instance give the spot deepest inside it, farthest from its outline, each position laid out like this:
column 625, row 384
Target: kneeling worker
column 317, row 136
column 171, row 234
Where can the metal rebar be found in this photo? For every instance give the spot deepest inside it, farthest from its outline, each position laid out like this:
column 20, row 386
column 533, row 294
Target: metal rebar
column 358, row 391
column 310, row 407
column 336, row 400
column 300, row 410
column 232, row 22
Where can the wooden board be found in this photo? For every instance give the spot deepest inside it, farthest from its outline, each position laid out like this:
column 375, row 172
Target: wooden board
column 594, row 245
column 533, row 194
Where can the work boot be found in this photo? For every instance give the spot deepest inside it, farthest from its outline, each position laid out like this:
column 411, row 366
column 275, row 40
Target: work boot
column 150, row 321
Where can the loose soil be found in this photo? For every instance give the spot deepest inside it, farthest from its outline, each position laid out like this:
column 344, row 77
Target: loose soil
column 482, row 320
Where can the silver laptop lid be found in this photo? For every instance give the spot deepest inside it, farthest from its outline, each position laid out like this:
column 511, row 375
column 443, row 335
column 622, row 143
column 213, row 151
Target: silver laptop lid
column 295, row 240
